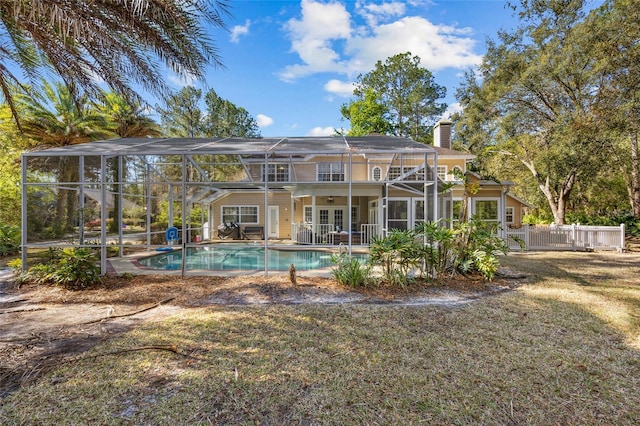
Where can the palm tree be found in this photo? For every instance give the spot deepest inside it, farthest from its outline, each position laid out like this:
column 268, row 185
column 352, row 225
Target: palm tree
column 55, row 119
column 120, row 43
column 127, row 118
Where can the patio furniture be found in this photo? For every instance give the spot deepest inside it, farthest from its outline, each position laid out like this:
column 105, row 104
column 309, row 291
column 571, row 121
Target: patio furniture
column 228, row 230
column 253, row 233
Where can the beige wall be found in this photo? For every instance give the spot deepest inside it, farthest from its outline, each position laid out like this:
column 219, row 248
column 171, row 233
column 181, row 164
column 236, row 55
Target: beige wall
column 282, row 199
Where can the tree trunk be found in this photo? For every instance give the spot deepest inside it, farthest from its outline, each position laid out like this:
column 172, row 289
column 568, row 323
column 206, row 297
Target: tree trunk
column 558, row 202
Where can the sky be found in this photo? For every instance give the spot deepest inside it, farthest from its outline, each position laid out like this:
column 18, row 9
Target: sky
column 291, row 64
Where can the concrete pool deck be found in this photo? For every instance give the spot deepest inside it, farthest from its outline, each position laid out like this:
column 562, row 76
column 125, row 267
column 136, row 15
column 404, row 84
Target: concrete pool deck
column 129, row 264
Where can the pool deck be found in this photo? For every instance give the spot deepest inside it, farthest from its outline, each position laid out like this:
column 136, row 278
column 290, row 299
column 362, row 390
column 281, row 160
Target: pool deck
column 129, row 264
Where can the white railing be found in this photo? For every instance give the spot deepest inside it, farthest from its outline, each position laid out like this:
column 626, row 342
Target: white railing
column 566, row 237
column 304, row 233
column 369, row 231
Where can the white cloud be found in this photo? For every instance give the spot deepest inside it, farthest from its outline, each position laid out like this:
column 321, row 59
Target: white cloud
column 340, row 88
column 239, row 30
column 312, row 36
column 438, row 46
column 452, row 109
column 322, row 131
column 373, row 13
column 181, row 81
column 326, row 39
column 264, row 120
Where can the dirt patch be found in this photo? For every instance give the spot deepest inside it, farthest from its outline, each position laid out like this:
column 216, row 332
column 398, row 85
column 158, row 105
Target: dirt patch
column 40, row 325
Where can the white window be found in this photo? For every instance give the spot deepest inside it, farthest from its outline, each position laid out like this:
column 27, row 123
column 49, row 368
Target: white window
column 355, row 218
column 408, row 173
column 487, row 210
column 510, row 212
column 276, row 173
column 376, row 173
column 394, row 172
column 442, row 172
column 240, row 214
column 330, row 172
column 308, row 214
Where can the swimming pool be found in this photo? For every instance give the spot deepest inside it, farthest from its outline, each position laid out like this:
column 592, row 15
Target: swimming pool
column 240, row 258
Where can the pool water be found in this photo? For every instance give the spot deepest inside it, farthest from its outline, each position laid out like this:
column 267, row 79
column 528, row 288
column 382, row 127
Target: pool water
column 240, row 258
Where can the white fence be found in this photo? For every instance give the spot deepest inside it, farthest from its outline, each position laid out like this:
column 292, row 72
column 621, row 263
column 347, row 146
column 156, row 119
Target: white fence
column 566, row 237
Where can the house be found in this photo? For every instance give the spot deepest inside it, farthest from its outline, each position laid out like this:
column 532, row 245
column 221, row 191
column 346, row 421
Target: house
column 470, row 194
column 309, row 190
column 331, row 190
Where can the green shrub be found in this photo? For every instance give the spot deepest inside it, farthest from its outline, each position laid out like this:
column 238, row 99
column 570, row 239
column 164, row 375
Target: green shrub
column 350, row 271
column 15, row 265
column 397, row 254
column 74, row 268
column 477, row 248
column 9, row 240
column 436, row 250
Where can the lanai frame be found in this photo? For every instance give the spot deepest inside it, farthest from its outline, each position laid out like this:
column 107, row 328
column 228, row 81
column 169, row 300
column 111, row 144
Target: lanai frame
column 96, row 163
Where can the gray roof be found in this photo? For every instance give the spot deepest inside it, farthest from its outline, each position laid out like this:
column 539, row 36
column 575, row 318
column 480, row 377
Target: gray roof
column 286, row 145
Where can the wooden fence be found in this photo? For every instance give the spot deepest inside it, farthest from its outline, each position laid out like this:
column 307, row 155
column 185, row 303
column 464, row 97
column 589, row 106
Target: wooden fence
column 566, row 237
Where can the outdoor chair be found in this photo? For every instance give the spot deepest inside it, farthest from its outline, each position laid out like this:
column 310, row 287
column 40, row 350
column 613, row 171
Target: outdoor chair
column 228, row 230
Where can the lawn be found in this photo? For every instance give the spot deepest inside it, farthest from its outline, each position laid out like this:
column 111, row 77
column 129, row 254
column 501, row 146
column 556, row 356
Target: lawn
column 563, row 349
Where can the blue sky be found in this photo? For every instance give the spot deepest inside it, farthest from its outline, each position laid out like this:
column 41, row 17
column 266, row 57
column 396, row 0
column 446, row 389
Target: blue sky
column 291, row 63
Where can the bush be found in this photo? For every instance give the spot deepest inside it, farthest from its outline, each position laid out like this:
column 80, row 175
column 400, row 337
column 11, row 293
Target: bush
column 436, row 250
column 9, row 240
column 397, row 253
column 350, row 271
column 478, row 247
column 73, row 268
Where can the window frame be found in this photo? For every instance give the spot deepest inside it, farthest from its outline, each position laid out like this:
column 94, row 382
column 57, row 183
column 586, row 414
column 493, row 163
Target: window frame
column 224, row 216
column 274, row 175
column 330, row 174
column 509, row 211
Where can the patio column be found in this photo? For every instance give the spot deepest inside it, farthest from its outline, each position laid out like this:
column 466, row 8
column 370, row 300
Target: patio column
column 103, row 215
column 349, row 202
column 435, row 185
column 24, row 214
column 184, row 215
column 266, row 214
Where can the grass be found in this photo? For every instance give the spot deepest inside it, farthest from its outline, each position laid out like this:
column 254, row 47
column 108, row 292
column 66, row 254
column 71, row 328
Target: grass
column 562, row 350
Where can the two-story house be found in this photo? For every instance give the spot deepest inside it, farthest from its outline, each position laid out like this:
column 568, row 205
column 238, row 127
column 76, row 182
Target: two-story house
column 470, row 194
column 309, row 190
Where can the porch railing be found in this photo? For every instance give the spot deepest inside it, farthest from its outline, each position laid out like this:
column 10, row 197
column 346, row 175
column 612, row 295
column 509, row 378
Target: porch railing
column 369, row 231
column 566, row 237
column 304, row 233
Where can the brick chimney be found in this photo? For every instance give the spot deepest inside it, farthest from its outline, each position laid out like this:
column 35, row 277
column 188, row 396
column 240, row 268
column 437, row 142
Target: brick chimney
column 442, row 134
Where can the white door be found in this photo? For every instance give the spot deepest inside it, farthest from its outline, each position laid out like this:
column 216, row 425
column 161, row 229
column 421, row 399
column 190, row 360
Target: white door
column 274, row 222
